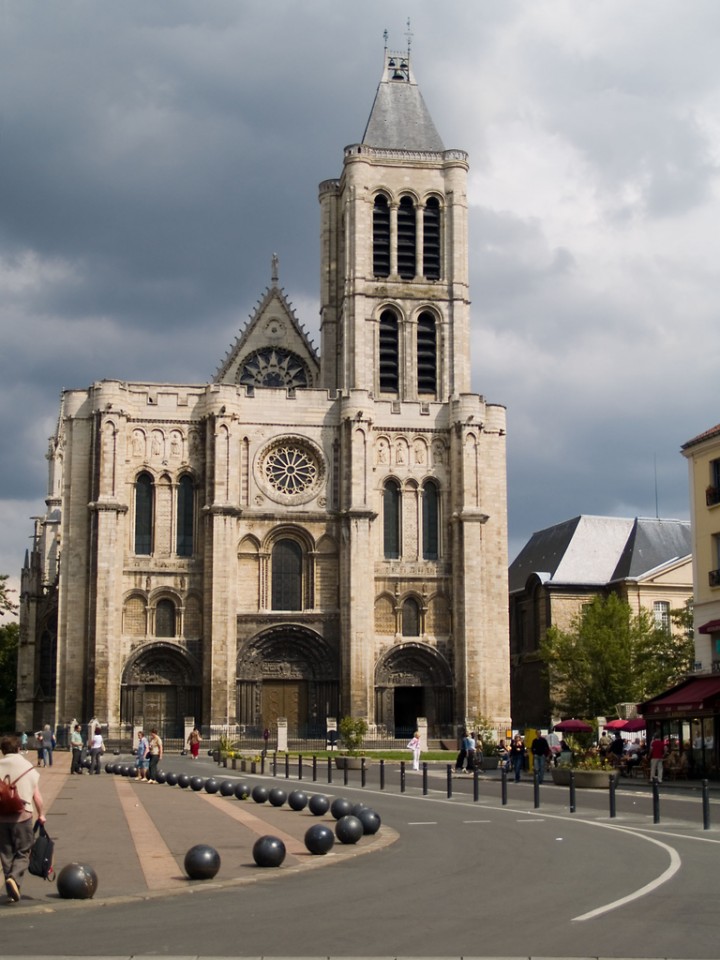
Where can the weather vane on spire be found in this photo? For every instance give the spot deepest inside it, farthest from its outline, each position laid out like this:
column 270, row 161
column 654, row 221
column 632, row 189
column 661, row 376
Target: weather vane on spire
column 409, row 35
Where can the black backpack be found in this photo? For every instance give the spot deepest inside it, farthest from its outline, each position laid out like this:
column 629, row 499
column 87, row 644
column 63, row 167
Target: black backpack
column 42, row 853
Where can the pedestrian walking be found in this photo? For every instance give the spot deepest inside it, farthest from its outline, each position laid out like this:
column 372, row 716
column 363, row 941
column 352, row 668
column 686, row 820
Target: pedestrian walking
column 156, row 752
column 97, row 749
column 541, row 753
column 142, row 757
column 517, row 756
column 76, row 745
column 414, row 745
column 194, row 743
column 657, row 755
column 16, row 829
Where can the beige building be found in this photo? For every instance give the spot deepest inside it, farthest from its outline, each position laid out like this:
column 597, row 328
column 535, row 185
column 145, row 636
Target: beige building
column 647, row 562
column 703, row 456
column 305, row 536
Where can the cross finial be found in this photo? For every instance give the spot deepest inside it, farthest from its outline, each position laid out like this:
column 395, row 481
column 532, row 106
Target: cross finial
column 409, row 35
column 275, row 269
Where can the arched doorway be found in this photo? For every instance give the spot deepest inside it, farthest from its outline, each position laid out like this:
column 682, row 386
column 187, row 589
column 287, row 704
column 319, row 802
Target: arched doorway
column 413, row 680
column 161, row 685
column 287, row 671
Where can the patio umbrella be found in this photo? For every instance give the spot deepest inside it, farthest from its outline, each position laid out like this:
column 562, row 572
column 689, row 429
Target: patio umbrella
column 573, row 726
column 617, row 725
column 632, row 726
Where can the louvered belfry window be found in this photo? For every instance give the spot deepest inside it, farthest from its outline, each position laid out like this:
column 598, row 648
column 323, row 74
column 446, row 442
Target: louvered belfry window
column 431, row 239
column 426, row 354
column 381, row 237
column 388, row 350
column 406, row 240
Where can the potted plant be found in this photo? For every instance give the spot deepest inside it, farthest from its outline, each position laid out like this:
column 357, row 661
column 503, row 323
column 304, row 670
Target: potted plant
column 485, row 736
column 589, row 771
column 352, row 734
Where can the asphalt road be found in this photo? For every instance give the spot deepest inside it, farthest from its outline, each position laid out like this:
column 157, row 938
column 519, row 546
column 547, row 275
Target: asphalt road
column 464, row 878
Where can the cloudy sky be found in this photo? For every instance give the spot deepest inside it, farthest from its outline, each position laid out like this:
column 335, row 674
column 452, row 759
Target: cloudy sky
column 155, row 153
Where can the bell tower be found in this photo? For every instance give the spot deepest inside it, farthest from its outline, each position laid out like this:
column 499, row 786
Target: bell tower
column 394, row 271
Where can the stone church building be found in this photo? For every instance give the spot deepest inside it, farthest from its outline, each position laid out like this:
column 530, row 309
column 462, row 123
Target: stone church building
column 304, row 536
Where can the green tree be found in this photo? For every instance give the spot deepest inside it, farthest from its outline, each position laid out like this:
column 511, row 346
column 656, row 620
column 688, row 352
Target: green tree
column 608, row 656
column 9, row 633
column 665, row 657
column 6, row 604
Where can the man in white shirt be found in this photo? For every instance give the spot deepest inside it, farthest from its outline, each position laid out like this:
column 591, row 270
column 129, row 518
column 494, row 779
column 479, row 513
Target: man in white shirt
column 16, row 830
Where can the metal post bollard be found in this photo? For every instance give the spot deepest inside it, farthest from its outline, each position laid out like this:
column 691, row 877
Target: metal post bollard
column 329, row 769
column 612, row 784
column 363, row 772
column 300, row 770
column 476, row 785
column 656, row 800
column 573, row 806
column 503, row 788
column 314, row 774
column 536, row 790
column 345, row 774
column 274, row 763
column 262, row 763
column 402, row 776
column 287, row 766
column 706, row 805
column 382, row 774
column 449, row 781
column 425, row 778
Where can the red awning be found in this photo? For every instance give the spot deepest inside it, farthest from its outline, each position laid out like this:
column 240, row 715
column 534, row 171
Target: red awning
column 712, row 626
column 695, row 695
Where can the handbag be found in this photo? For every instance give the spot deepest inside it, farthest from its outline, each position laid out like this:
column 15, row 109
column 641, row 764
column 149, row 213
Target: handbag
column 42, row 853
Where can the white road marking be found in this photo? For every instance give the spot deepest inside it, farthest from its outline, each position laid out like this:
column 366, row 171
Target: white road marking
column 675, row 864
column 422, row 823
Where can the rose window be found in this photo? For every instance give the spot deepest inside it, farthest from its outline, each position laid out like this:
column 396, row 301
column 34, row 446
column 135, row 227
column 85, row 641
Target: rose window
column 290, row 469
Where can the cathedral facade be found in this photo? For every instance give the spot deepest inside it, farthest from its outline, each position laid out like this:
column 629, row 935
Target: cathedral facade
column 304, row 536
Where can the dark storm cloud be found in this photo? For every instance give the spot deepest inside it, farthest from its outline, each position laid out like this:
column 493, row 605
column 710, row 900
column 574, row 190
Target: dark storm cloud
column 156, row 154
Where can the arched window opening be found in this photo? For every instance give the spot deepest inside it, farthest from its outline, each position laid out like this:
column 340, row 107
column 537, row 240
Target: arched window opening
column 185, row 516
column 430, row 518
column 391, row 520
column 426, row 354
column 431, row 239
column 287, row 562
column 388, row 349
column 411, row 618
column 143, row 514
column 381, row 237
column 406, row 240
column 165, row 619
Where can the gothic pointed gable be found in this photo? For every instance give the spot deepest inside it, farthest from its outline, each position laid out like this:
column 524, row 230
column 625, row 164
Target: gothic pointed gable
column 399, row 119
column 273, row 350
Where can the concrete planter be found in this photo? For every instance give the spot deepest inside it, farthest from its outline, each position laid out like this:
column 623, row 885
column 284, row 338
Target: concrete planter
column 490, row 763
column 349, row 763
column 587, row 779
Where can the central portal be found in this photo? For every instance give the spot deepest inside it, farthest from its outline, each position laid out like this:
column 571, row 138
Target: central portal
column 284, row 698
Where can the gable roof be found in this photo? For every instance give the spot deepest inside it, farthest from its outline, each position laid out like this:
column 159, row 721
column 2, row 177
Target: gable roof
column 399, row 119
column 274, row 327
column 706, row 435
column 591, row 551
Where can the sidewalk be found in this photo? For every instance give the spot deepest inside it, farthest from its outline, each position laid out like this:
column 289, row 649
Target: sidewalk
column 135, row 835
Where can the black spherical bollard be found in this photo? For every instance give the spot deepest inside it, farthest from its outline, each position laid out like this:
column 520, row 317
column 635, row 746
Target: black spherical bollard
column 109, row 768
column 318, row 804
column 87, row 763
column 357, row 807
column 348, row 829
column 183, row 780
column 211, row 785
column 160, row 776
column 77, row 881
column 297, row 800
column 340, row 807
column 268, row 852
column 319, row 839
column 277, row 797
column 227, row 788
column 202, row 862
column 132, row 771
column 370, row 821
column 196, row 783
column 124, row 768
column 241, row 791
column 171, row 779
column 117, row 771
column 259, row 794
